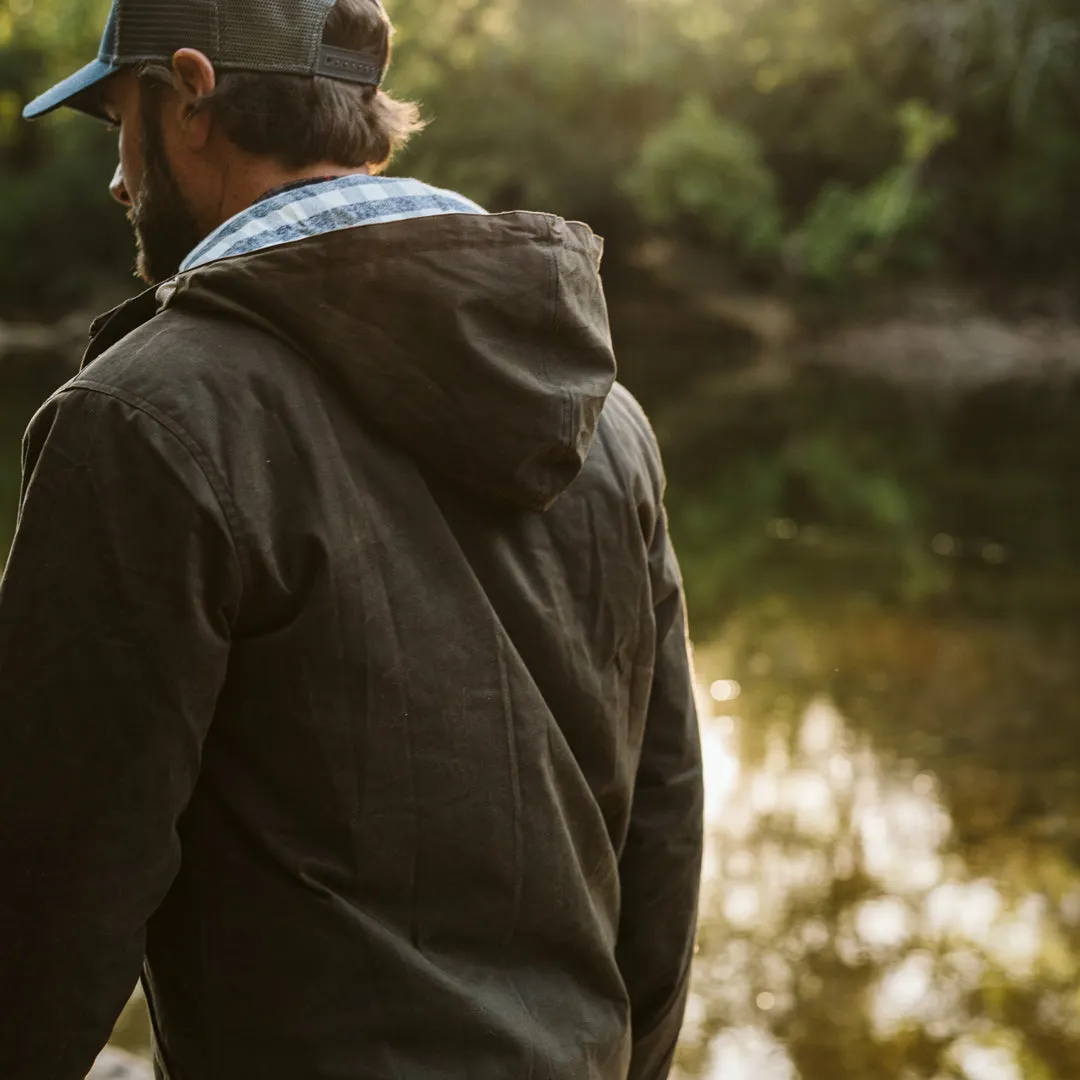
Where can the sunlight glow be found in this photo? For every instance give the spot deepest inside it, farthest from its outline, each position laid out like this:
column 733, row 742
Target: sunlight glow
column 725, row 690
column 884, row 923
column 982, row 1062
column 811, row 805
column 905, row 994
column 749, row 1054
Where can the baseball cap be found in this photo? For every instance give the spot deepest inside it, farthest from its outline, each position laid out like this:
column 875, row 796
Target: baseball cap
column 282, row 36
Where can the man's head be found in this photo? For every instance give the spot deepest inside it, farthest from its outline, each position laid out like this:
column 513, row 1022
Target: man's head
column 206, row 132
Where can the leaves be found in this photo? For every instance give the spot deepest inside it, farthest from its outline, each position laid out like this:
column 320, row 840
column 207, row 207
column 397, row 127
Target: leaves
column 709, row 172
column 815, row 142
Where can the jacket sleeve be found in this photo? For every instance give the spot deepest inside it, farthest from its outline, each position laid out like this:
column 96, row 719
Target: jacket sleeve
column 115, row 614
column 660, row 870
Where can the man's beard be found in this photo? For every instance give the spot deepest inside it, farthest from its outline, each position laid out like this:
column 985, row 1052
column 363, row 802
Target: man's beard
column 165, row 228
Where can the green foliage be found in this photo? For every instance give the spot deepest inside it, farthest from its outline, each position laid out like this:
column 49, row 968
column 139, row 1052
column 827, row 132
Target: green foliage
column 65, row 242
column 707, row 172
column 851, row 232
column 71, row 239
column 828, row 142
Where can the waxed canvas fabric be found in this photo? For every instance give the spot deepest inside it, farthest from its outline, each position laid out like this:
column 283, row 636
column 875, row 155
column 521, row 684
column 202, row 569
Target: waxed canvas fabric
column 344, row 678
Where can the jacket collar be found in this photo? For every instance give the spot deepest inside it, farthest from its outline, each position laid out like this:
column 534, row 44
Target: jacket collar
column 108, row 329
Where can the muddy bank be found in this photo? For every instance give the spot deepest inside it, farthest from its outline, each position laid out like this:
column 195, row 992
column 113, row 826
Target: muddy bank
column 940, row 338
column 952, row 346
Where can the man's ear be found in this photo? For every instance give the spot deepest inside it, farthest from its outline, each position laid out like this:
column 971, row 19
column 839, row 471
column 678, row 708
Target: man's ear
column 194, row 79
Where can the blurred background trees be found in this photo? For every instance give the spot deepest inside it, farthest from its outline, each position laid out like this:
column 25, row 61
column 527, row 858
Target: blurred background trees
column 842, row 264
column 821, row 146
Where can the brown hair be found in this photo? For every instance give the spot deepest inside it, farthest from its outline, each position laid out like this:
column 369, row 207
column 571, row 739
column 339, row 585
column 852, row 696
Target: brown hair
column 300, row 120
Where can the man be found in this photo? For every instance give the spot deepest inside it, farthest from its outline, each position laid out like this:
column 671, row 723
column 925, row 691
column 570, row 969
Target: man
column 343, row 664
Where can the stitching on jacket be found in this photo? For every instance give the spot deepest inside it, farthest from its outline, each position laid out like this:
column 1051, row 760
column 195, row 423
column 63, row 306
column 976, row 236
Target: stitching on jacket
column 225, row 503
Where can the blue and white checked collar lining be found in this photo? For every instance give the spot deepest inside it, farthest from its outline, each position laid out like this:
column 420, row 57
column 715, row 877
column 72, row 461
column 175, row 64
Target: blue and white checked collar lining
column 322, row 207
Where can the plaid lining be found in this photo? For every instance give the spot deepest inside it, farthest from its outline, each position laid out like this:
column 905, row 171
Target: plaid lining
column 325, row 206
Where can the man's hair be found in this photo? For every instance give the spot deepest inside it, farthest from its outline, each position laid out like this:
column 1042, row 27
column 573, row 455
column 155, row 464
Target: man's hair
column 299, row 120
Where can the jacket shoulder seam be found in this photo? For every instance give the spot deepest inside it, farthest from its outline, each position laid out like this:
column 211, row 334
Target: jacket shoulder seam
column 224, row 500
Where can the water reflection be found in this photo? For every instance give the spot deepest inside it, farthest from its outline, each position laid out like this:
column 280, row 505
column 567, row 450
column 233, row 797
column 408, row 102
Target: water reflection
column 844, row 934
column 851, row 930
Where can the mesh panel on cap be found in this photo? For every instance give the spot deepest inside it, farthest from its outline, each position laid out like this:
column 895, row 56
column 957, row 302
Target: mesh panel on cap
column 155, row 29
column 278, row 35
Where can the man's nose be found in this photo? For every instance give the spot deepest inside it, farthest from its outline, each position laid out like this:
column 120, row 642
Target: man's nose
column 118, row 187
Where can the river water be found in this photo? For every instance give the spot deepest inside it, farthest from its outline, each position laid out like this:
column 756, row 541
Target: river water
column 888, row 679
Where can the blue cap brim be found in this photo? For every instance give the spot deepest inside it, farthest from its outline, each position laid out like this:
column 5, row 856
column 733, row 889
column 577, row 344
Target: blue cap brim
column 68, row 92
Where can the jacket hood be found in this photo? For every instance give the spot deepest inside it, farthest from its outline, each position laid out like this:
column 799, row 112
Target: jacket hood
column 480, row 344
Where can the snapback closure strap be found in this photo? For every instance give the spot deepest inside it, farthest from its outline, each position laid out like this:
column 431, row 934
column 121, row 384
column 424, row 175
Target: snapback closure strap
column 348, row 66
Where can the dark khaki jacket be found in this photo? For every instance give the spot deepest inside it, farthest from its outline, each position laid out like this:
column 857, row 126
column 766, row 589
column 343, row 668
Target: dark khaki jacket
column 343, row 677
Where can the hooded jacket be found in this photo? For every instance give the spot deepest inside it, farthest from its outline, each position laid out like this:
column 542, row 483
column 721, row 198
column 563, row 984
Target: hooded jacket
column 344, row 678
